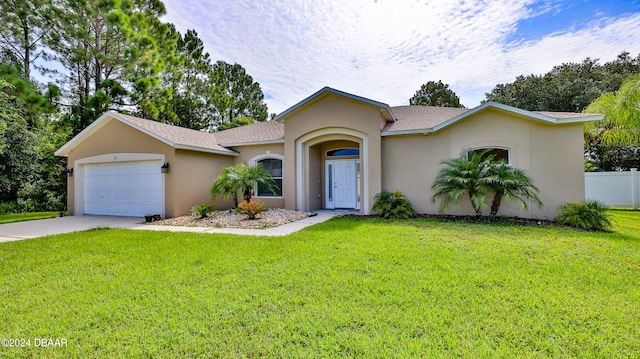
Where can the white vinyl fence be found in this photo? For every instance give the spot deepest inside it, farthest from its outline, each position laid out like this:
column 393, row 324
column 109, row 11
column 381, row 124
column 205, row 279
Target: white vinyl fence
column 616, row 189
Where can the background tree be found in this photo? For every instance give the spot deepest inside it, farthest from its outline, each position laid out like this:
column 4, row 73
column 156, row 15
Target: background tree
column 435, row 94
column 569, row 87
column 9, row 112
column 19, row 159
column 32, row 100
column 236, row 122
column 111, row 54
column 31, row 177
column 621, row 109
column 614, row 142
column 182, row 98
column 23, row 25
column 235, row 94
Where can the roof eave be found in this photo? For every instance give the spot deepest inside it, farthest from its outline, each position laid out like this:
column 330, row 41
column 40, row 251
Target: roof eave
column 422, row 131
column 207, row 150
column 583, row 119
column 253, row 143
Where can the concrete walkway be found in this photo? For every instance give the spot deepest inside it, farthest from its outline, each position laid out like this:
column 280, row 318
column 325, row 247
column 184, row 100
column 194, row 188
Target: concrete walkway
column 45, row 227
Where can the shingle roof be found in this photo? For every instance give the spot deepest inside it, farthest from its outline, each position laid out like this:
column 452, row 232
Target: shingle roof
column 429, row 118
column 406, row 120
column 180, row 136
column 269, row 131
column 421, row 117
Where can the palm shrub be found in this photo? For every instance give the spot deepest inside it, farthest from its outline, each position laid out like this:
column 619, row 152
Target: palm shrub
column 252, row 207
column 250, row 177
column 393, row 205
column 202, row 210
column 466, row 174
column 242, row 178
column 227, row 184
column 589, row 215
column 510, row 183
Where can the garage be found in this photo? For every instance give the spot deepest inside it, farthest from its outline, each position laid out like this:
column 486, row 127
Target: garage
column 124, row 188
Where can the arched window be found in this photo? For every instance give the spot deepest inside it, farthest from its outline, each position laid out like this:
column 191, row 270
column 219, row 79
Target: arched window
column 343, row 152
column 274, row 167
column 499, row 154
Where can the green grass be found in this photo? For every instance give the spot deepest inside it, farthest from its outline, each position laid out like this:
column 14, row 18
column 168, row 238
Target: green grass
column 27, row 216
column 350, row 287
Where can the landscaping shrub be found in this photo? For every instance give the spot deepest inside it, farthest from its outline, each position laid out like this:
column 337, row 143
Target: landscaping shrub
column 252, row 207
column 9, row 208
column 393, row 205
column 244, row 179
column 588, row 215
column 202, row 210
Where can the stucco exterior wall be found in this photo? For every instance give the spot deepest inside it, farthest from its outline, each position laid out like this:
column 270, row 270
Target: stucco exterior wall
column 116, row 137
column 557, row 162
column 192, row 174
column 550, row 154
column 337, row 114
column 315, row 180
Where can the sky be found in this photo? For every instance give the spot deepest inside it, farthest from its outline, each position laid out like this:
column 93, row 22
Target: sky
column 385, row 50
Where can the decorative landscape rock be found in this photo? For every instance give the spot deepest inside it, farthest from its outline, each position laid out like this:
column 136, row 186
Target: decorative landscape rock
column 230, row 219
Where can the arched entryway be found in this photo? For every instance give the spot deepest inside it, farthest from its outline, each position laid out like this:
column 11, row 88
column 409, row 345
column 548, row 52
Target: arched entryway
column 331, row 168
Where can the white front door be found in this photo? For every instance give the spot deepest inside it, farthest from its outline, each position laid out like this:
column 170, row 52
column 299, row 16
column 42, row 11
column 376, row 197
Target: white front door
column 342, row 184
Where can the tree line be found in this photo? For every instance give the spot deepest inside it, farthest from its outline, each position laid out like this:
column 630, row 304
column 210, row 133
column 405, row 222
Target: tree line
column 63, row 63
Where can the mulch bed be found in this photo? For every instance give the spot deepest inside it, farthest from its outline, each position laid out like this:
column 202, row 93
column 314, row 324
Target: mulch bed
column 476, row 219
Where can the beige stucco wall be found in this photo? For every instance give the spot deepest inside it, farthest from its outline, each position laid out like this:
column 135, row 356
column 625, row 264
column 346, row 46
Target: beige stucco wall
column 193, row 174
column 315, row 180
column 335, row 113
column 247, row 153
column 551, row 155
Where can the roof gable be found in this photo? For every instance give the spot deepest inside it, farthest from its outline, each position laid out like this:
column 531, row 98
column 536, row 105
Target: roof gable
column 174, row 136
column 384, row 108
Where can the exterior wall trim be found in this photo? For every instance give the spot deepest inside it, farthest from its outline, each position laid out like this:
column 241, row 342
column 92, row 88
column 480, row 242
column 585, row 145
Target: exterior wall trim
column 239, row 144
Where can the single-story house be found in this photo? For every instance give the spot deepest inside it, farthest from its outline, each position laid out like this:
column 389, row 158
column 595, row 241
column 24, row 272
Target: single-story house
column 331, row 150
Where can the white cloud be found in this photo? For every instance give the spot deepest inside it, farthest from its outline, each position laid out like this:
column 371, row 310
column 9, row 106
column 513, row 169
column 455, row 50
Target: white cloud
column 386, row 49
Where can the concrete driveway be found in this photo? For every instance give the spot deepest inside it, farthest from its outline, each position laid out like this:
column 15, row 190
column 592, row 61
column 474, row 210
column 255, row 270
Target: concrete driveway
column 44, row 227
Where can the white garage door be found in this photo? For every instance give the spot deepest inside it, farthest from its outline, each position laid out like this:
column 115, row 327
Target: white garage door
column 123, row 189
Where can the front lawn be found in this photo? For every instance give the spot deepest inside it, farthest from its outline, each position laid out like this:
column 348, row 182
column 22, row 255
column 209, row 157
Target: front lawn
column 350, row 287
column 27, row 216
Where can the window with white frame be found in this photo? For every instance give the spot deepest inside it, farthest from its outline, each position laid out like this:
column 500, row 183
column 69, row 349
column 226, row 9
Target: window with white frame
column 499, row 154
column 274, row 167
